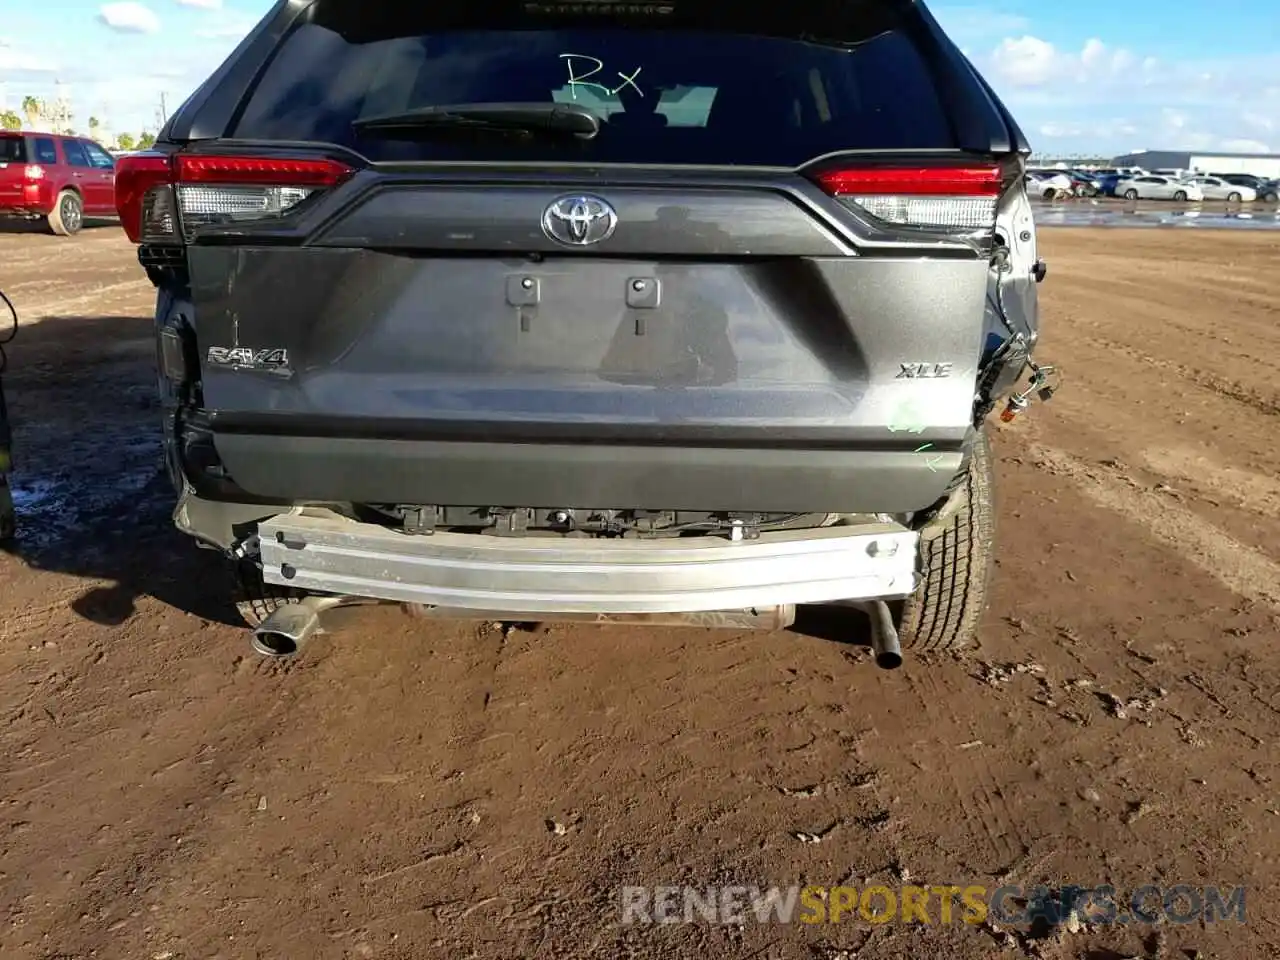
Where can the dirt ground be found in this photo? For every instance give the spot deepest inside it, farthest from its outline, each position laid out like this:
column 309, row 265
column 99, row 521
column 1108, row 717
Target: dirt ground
column 409, row 790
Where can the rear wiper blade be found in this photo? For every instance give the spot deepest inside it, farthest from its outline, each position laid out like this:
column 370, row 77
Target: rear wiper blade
column 559, row 119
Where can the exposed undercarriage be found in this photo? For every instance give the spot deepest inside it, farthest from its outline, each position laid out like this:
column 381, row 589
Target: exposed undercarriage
column 567, row 521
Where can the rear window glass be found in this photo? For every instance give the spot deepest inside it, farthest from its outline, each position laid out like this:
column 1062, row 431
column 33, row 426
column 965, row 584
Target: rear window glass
column 46, row 152
column 13, row 150
column 74, row 151
column 665, row 95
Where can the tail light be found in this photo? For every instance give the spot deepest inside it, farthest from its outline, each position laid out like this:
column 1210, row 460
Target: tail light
column 948, row 199
column 33, row 172
column 167, row 198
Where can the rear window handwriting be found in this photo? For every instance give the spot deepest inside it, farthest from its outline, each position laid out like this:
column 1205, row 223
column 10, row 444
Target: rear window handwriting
column 592, row 67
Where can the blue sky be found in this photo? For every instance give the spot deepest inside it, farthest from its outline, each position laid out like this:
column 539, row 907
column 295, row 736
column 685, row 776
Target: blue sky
column 1082, row 75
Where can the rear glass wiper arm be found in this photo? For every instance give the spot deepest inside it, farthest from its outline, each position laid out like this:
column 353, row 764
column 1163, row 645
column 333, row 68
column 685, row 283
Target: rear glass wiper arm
column 552, row 118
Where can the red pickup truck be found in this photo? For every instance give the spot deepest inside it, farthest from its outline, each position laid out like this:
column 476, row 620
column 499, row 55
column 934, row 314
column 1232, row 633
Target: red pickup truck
column 59, row 179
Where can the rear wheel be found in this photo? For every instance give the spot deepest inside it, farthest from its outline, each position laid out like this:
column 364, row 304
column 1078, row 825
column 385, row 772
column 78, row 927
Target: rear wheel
column 1131, row 194
column 1233, row 197
column 67, row 216
column 1180, row 195
column 957, row 548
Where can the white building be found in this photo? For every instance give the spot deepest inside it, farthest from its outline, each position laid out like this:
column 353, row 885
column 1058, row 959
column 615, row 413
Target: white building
column 1259, row 164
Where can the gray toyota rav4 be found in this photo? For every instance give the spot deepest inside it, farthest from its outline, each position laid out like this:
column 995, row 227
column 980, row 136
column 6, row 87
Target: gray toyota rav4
column 683, row 310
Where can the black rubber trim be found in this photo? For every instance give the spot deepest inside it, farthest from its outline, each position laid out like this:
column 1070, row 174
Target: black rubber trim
column 710, row 436
column 619, row 476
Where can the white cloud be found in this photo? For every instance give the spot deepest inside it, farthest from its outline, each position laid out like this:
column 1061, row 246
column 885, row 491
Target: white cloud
column 1089, row 129
column 1104, row 97
column 968, row 24
column 1245, row 146
column 14, row 59
column 1028, row 61
column 201, row 4
column 1258, row 121
column 1025, row 61
column 128, row 17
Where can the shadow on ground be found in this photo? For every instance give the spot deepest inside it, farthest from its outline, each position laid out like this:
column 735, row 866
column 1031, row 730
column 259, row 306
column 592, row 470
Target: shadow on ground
column 89, row 490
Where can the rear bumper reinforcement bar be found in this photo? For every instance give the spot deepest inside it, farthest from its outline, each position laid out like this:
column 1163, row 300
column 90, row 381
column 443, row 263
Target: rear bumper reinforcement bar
column 318, row 550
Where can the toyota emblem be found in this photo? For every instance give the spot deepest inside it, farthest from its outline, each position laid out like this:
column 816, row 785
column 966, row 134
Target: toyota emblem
column 579, row 221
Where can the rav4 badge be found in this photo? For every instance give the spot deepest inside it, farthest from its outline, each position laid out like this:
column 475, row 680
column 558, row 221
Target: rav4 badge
column 275, row 359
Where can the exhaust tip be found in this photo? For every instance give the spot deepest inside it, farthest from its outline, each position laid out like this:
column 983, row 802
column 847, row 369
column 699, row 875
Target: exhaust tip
column 272, row 644
column 888, row 660
column 884, row 636
column 283, row 633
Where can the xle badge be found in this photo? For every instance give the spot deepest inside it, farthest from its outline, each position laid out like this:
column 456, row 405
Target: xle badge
column 923, row 371
column 273, row 359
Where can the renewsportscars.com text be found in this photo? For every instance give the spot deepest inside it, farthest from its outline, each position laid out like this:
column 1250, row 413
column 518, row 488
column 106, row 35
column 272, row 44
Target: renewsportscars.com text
column 973, row 904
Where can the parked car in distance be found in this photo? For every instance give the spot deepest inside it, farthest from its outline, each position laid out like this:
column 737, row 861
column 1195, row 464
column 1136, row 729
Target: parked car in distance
column 1049, row 185
column 61, row 180
column 1083, row 184
column 1216, row 188
column 1265, row 189
column 1153, row 187
column 1107, row 181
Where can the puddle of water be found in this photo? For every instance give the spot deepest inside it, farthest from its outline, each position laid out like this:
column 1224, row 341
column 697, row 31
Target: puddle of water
column 87, row 460
column 34, row 495
column 1085, row 213
column 53, row 506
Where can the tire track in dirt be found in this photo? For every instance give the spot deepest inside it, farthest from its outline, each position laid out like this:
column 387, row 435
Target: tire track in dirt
column 1223, row 387
column 1183, row 285
column 990, row 822
column 1107, row 334
column 1238, row 567
column 166, row 846
column 1119, row 433
column 69, row 282
column 1252, row 491
column 1190, row 298
column 32, row 251
column 35, row 313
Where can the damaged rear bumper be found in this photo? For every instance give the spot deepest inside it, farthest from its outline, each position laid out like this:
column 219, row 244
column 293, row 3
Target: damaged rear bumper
column 318, row 550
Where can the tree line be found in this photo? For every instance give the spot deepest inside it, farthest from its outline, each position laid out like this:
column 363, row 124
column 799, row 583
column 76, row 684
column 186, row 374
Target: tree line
column 35, row 111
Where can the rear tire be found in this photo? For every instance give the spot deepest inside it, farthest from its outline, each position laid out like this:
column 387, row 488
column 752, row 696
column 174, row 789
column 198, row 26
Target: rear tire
column 1180, row 196
column 255, row 599
column 957, row 551
column 1131, row 194
column 1233, row 197
column 67, row 216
